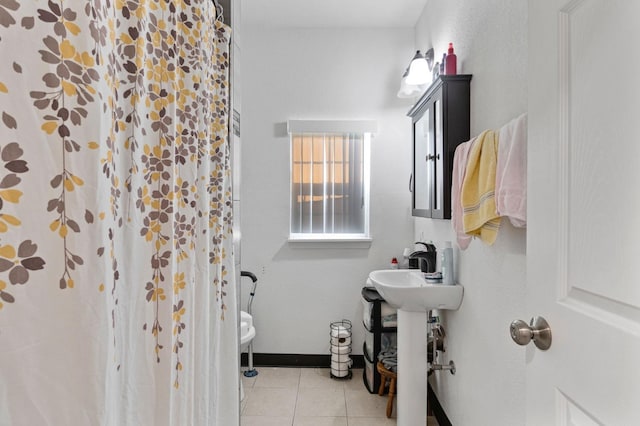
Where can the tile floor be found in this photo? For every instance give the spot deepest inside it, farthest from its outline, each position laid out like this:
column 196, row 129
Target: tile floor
column 309, row 397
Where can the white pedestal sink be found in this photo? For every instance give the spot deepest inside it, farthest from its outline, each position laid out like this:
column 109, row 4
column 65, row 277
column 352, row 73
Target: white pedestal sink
column 408, row 291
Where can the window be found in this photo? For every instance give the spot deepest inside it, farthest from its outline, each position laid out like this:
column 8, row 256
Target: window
column 330, row 179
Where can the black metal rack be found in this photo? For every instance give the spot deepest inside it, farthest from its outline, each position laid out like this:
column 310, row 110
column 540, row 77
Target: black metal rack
column 372, row 296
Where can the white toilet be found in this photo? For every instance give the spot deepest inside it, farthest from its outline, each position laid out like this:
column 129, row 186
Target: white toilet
column 247, row 330
column 247, row 333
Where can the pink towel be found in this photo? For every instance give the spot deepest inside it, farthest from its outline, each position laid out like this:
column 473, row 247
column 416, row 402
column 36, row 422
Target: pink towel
column 459, row 168
column 511, row 172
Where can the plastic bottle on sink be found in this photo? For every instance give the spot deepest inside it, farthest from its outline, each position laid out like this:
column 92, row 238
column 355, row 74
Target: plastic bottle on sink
column 447, row 263
column 394, row 263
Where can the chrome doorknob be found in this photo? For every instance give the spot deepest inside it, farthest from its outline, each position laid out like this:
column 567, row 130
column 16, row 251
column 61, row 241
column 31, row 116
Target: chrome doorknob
column 537, row 330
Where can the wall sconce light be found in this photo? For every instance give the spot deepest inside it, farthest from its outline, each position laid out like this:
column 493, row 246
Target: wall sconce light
column 408, row 90
column 417, row 76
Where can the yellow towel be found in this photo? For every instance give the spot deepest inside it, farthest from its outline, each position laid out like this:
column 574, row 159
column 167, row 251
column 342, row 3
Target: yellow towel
column 479, row 216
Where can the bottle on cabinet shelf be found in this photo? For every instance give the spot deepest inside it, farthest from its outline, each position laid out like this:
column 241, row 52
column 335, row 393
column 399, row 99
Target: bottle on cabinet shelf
column 450, row 62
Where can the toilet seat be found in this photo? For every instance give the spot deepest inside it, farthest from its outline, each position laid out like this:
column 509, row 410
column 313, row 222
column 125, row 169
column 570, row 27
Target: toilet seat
column 247, row 330
column 247, row 333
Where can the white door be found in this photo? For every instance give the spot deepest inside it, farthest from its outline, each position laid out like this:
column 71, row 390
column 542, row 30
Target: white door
column 583, row 231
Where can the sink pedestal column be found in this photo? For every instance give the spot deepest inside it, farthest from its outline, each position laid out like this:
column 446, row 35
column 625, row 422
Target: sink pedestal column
column 412, row 368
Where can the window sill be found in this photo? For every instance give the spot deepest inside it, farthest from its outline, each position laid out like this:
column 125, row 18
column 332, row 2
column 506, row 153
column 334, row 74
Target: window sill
column 331, row 242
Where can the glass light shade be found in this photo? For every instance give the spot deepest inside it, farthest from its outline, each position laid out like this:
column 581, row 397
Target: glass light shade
column 418, row 71
column 408, row 90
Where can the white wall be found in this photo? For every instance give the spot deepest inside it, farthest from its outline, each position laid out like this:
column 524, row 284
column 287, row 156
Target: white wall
column 490, row 38
column 318, row 74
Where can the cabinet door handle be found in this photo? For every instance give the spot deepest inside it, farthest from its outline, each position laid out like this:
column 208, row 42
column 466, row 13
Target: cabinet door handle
column 411, row 182
column 432, row 157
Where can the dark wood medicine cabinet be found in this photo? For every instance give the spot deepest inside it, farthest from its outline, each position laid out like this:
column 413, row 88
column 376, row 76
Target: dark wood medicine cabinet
column 440, row 121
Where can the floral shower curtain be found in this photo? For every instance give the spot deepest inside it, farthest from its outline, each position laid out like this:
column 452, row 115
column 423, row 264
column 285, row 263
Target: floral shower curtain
column 117, row 293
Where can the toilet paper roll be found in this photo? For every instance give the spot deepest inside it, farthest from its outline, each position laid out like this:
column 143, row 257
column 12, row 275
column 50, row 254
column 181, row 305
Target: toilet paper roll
column 340, row 373
column 340, row 350
column 341, row 341
column 340, row 369
column 340, row 356
column 340, row 331
column 343, row 360
column 342, row 365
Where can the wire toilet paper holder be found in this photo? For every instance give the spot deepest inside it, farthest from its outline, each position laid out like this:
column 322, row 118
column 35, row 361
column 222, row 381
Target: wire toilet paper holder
column 340, row 346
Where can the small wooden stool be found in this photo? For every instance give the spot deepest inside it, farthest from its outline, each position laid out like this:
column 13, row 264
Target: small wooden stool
column 384, row 375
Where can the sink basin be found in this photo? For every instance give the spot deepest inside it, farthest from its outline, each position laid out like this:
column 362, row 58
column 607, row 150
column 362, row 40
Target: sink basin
column 406, row 289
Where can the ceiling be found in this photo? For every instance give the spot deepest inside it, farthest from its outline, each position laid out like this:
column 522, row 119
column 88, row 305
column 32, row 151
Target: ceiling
column 332, row 13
